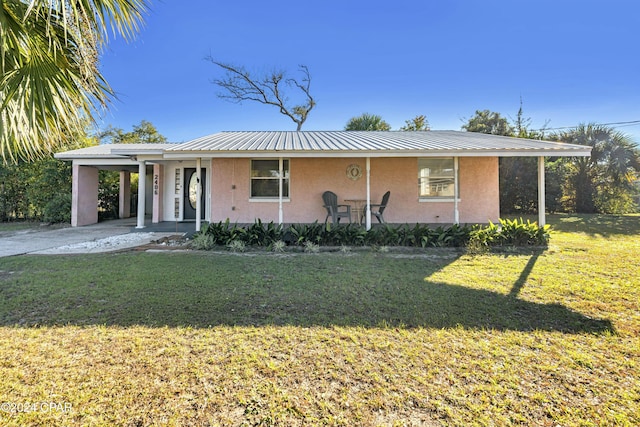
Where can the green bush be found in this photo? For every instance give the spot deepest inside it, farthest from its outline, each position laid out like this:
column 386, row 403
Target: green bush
column 510, row 233
column 58, row 209
column 505, row 233
column 108, row 195
column 203, row 242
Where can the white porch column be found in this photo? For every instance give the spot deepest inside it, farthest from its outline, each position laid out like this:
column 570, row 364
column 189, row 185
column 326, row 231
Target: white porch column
column 542, row 220
column 280, row 188
column 368, row 206
column 456, row 193
column 142, row 191
column 198, row 194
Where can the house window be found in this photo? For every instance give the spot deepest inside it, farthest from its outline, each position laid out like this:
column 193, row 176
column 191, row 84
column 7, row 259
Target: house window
column 264, row 179
column 436, row 178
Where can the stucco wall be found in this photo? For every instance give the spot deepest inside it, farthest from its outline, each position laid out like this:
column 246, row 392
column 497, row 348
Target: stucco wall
column 478, row 203
column 84, row 196
column 479, row 189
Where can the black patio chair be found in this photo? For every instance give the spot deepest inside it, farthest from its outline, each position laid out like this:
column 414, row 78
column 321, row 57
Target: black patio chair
column 334, row 210
column 378, row 209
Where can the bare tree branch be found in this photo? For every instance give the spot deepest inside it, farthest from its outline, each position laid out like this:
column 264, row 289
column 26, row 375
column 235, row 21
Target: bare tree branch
column 239, row 85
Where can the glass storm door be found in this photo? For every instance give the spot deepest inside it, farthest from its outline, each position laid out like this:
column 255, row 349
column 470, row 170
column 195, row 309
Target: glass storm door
column 190, row 193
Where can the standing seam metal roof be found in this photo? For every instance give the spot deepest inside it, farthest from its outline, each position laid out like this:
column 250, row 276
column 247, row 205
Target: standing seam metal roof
column 328, row 141
column 338, row 143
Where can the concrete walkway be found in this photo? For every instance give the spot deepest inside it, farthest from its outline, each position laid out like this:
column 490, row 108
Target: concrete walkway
column 102, row 237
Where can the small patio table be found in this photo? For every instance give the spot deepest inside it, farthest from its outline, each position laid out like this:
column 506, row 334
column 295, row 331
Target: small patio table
column 357, row 207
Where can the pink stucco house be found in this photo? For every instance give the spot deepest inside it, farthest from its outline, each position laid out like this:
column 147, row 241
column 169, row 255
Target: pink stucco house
column 433, row 176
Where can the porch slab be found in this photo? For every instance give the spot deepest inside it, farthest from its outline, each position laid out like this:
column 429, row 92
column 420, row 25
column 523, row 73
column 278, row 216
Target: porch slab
column 102, row 237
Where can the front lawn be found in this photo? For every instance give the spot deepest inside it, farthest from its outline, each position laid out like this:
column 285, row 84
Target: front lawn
column 422, row 337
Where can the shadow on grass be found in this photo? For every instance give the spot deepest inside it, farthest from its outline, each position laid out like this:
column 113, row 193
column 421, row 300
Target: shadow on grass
column 258, row 292
column 526, row 271
column 596, row 225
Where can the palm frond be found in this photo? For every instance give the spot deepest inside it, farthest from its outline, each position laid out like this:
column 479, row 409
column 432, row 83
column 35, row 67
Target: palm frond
column 50, row 83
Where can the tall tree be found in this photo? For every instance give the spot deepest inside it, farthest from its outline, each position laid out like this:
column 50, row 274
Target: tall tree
column 144, row 133
column 240, row 85
column 605, row 181
column 50, row 82
column 366, row 121
column 518, row 175
column 485, row 121
column 39, row 189
column 418, row 123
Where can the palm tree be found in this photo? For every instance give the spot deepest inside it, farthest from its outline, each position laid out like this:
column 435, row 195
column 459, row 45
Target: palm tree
column 367, row 122
column 612, row 168
column 50, row 83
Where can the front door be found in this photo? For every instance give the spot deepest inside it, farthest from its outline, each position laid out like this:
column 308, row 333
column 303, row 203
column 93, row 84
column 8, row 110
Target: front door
column 190, row 192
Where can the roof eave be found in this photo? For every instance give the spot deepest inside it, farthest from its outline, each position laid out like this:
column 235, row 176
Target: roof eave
column 377, row 153
column 62, row 156
column 133, row 152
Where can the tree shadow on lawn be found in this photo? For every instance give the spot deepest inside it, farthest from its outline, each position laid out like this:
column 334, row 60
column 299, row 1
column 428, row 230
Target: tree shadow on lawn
column 437, row 305
column 366, row 302
column 596, row 224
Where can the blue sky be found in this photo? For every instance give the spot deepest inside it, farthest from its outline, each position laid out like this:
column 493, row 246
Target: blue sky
column 571, row 61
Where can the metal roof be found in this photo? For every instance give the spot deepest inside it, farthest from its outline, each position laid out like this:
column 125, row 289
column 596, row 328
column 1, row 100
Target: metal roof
column 374, row 144
column 336, row 144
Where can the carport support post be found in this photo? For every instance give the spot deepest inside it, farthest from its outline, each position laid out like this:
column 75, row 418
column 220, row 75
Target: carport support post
column 542, row 220
column 124, row 195
column 142, row 191
column 84, row 199
column 198, row 194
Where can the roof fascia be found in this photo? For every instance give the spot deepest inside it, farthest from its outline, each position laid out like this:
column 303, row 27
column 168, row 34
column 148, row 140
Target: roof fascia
column 133, row 152
column 102, row 161
column 67, row 156
column 379, row 154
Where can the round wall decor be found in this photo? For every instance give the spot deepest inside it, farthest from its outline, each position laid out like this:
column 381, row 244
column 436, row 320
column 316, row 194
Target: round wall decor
column 354, row 172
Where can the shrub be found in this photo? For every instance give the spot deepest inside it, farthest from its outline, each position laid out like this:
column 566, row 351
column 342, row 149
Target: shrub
column 237, row 246
column 301, row 233
column 203, row 242
column 510, row 233
column 275, row 237
column 58, row 209
column 108, row 195
column 278, row 246
column 310, row 247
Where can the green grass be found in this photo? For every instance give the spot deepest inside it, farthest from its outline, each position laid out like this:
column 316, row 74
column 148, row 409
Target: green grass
column 424, row 337
column 9, row 227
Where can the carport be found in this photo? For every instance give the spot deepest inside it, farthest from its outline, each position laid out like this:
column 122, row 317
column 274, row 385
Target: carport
column 87, row 162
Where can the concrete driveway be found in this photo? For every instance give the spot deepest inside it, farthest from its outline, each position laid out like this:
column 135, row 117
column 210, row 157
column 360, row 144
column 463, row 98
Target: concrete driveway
column 103, row 237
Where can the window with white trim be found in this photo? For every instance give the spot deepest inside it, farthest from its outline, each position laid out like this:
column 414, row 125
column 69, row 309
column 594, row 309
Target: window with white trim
column 436, row 179
column 265, row 179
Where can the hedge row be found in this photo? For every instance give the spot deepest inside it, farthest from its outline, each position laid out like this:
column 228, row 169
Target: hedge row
column 505, row 233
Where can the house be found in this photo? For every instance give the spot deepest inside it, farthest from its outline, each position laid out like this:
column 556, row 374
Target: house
column 433, row 176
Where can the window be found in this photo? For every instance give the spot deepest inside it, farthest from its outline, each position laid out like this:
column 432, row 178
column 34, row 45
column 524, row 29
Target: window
column 436, row 177
column 264, row 179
